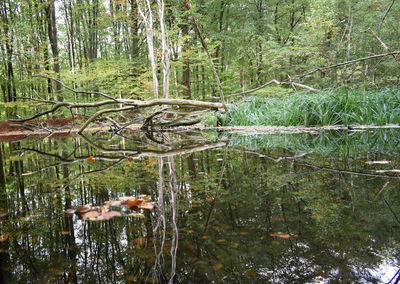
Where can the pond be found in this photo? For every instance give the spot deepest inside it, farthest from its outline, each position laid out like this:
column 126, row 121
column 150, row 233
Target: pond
column 229, row 208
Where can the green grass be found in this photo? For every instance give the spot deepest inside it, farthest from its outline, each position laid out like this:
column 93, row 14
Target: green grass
column 326, row 108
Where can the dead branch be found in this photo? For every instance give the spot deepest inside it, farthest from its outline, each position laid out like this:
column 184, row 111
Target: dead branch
column 273, row 82
column 387, row 11
column 345, row 63
column 298, row 77
column 75, row 91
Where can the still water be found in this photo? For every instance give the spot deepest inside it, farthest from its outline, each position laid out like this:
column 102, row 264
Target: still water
column 231, row 208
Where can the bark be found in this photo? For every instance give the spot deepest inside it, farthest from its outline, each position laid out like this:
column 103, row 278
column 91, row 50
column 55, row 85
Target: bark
column 52, row 34
column 147, row 17
column 165, row 48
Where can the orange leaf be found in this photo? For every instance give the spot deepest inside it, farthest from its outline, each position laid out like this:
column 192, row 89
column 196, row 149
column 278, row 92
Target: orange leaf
column 4, row 238
column 130, row 159
column 282, row 235
column 90, row 159
column 132, row 203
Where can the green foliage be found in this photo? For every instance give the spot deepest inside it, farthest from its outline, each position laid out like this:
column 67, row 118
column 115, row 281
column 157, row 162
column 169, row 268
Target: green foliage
column 339, row 106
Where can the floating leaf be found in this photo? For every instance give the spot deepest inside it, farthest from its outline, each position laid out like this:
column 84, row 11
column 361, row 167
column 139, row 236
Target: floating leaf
column 279, row 219
column 388, row 171
column 83, row 208
column 217, row 266
column 282, row 235
column 136, row 215
column 378, row 162
column 70, row 211
column 91, row 214
column 234, row 245
column 145, row 197
column 64, row 233
column 113, row 203
column 132, row 203
column 90, row 159
column 2, row 214
column 108, row 215
column 221, row 241
column 130, row 159
column 147, row 205
column 4, row 238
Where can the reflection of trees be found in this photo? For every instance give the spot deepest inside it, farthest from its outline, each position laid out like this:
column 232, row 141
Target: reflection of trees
column 223, row 206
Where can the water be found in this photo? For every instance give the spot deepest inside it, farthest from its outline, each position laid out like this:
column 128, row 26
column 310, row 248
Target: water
column 300, row 208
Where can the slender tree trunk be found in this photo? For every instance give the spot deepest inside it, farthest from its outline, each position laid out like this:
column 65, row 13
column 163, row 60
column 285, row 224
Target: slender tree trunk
column 147, row 17
column 52, row 33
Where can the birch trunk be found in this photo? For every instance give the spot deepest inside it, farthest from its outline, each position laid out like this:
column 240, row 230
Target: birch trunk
column 147, row 16
column 165, row 48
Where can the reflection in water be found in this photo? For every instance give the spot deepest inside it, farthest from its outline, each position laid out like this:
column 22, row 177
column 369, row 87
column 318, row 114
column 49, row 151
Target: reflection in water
column 247, row 212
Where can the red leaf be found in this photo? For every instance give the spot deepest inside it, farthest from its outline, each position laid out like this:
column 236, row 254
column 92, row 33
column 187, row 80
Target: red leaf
column 130, row 159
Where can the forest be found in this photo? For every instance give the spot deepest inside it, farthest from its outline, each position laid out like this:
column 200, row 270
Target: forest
column 217, row 51
column 199, row 141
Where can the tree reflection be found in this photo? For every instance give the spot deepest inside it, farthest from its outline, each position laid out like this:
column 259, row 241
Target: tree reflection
column 224, row 214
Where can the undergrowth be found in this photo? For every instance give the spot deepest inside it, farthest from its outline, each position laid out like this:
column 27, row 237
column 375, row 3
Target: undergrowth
column 326, row 108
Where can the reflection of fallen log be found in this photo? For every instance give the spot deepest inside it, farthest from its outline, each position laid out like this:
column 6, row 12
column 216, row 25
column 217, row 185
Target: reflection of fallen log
column 121, row 155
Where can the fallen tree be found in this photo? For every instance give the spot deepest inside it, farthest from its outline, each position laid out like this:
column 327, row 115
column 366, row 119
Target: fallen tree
column 168, row 112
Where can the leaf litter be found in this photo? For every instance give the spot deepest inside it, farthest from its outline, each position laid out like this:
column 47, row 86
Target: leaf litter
column 104, row 212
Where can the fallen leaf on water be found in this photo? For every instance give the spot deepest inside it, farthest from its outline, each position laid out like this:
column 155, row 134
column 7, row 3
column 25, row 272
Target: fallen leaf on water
column 2, row 214
column 235, row 245
column 217, row 266
column 388, row 171
column 282, row 235
column 131, row 203
column 83, row 208
column 279, row 219
column 243, row 233
column 90, row 159
column 136, row 215
column 70, row 211
column 130, row 159
column 145, row 197
column 113, row 203
column 221, row 241
column 132, row 278
column 108, row 215
column 147, row 205
column 377, row 162
column 27, row 174
column 90, row 214
column 125, row 198
column 64, row 233
column 4, row 238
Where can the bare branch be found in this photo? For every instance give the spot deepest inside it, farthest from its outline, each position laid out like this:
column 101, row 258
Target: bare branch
column 387, row 11
column 274, row 82
column 76, row 91
column 345, row 63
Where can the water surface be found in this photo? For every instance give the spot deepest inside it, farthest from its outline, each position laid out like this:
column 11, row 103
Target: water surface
column 300, row 208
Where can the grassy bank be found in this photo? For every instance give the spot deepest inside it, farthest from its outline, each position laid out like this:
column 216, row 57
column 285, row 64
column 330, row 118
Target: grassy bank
column 325, row 108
